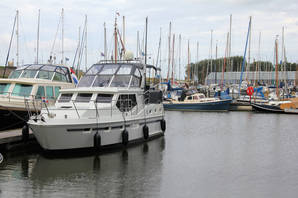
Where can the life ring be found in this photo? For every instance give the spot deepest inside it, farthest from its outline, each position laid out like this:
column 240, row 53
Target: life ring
column 25, row 133
column 124, row 137
column 250, row 91
column 97, row 140
column 146, row 132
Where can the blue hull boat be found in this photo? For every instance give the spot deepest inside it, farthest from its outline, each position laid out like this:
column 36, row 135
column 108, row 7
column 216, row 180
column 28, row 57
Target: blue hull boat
column 221, row 105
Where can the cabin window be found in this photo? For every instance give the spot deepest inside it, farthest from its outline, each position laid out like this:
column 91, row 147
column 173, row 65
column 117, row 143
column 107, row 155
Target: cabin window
column 189, row 98
column 65, row 97
column 195, row 98
column 60, row 77
column 104, row 98
column 40, row 92
column 15, row 74
column 120, row 81
column 57, row 91
column 109, row 69
column 86, row 81
column 83, row 97
column 22, row 90
column 4, row 88
column 102, row 81
column 28, row 74
column 49, row 92
column 94, row 70
column 126, row 102
column 137, row 72
column 201, row 96
column 124, row 69
column 45, row 75
column 135, row 82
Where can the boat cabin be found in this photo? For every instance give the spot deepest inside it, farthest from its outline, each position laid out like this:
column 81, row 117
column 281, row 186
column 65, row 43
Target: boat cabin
column 36, row 81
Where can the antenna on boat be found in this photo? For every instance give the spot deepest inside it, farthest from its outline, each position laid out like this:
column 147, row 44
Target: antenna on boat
column 37, row 40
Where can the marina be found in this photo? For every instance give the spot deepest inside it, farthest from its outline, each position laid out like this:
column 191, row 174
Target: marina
column 100, row 101
column 246, row 155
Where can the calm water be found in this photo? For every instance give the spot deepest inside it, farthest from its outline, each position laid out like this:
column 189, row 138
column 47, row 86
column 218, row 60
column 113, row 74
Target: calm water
column 236, row 154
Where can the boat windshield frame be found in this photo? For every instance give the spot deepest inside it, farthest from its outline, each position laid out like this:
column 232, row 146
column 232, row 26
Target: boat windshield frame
column 112, row 75
column 35, row 69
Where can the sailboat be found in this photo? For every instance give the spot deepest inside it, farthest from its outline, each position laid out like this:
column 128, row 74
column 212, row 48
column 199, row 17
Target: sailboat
column 277, row 106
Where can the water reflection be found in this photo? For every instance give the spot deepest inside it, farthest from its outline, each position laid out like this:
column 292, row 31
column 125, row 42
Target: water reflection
column 123, row 173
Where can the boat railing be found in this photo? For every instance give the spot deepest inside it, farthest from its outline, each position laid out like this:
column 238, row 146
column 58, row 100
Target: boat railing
column 121, row 61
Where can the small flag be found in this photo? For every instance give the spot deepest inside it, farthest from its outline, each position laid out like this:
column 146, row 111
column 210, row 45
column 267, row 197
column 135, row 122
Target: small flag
column 118, row 13
column 102, row 54
column 74, row 77
column 66, row 59
column 143, row 54
column 44, row 100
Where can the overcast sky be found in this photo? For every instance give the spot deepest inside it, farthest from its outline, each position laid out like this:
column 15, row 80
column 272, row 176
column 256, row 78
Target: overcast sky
column 193, row 19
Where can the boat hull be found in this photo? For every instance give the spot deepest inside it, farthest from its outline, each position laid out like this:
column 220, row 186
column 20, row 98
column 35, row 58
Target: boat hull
column 222, row 105
column 69, row 137
column 12, row 119
column 266, row 108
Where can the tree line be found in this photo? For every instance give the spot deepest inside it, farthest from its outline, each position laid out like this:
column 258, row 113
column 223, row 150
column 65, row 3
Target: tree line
column 198, row 71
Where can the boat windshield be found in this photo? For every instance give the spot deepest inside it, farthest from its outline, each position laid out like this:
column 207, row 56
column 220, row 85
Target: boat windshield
column 111, row 75
column 40, row 71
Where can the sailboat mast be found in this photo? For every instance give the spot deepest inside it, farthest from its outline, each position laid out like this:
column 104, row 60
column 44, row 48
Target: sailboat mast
column 17, row 34
column 146, row 37
column 169, row 52
column 179, row 56
column 188, row 62
column 86, row 42
column 230, row 45
column 276, row 67
column 138, row 44
column 248, row 64
column 62, row 26
column 123, row 33
column 215, row 71
column 105, row 41
column 115, row 40
column 173, row 52
column 259, row 57
column 37, row 40
column 211, row 51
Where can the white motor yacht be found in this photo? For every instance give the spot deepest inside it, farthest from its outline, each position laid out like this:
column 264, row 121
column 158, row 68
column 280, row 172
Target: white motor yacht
column 25, row 88
column 110, row 106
